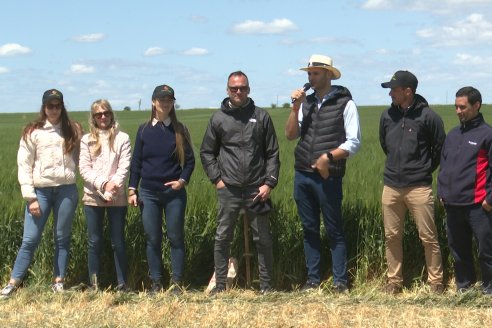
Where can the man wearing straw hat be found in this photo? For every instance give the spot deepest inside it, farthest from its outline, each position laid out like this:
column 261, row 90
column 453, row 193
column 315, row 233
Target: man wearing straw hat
column 327, row 125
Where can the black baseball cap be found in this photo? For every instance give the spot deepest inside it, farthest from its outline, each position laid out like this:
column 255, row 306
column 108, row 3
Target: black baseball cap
column 403, row 79
column 52, row 94
column 161, row 91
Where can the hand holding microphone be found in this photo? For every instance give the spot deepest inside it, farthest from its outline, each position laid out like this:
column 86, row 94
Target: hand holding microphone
column 297, row 94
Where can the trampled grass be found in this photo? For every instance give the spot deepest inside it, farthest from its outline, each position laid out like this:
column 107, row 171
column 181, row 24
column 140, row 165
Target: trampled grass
column 363, row 307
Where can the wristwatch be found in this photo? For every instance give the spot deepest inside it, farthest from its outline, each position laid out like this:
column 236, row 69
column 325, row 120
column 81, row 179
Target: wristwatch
column 330, row 156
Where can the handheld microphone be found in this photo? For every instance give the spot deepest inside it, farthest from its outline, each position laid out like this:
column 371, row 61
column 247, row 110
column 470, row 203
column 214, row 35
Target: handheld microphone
column 305, row 88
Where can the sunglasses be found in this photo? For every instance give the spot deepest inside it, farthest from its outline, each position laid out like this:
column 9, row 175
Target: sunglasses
column 99, row 115
column 54, row 106
column 236, row 89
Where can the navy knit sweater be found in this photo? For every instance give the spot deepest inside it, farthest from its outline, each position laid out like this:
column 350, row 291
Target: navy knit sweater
column 154, row 162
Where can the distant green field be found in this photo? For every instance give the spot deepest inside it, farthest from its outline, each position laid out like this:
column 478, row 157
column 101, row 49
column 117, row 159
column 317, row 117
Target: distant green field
column 361, row 206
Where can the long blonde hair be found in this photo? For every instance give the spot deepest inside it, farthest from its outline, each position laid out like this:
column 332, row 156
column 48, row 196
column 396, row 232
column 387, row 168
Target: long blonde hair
column 94, row 138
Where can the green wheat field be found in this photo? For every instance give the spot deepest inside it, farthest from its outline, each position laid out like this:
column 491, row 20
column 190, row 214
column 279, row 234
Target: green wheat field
column 363, row 226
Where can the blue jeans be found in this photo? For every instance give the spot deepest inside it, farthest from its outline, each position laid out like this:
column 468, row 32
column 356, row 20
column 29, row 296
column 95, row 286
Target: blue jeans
column 313, row 195
column 462, row 224
column 173, row 202
column 63, row 201
column 116, row 218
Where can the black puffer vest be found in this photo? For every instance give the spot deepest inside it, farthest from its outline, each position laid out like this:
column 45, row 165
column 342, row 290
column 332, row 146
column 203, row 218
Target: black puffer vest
column 322, row 130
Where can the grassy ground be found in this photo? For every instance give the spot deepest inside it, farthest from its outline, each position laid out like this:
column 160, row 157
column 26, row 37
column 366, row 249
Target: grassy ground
column 363, row 307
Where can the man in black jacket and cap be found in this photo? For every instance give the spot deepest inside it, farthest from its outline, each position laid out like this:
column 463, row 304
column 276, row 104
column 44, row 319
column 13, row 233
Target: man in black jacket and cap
column 411, row 135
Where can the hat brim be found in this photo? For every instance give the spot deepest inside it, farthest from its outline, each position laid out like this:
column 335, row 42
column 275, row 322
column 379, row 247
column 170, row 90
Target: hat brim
column 388, row 85
column 336, row 72
column 162, row 95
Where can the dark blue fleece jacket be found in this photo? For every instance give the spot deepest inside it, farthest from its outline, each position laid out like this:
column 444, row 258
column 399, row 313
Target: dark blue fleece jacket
column 466, row 159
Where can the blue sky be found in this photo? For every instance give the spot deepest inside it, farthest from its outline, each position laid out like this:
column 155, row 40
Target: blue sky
column 120, row 50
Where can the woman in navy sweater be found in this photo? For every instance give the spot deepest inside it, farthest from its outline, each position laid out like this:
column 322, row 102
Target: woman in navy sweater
column 162, row 164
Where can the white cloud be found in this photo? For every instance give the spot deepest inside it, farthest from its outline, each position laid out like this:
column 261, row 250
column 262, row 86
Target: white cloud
column 199, row 19
column 376, row 4
column 81, row 69
column 295, row 72
column 319, row 40
column 154, row 51
column 277, row 26
column 12, row 49
column 4, row 70
column 94, row 37
column 467, row 59
column 196, row 52
column 435, row 6
column 473, row 30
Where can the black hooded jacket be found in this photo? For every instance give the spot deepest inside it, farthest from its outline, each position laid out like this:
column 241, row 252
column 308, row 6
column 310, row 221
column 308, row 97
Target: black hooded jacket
column 240, row 147
column 412, row 141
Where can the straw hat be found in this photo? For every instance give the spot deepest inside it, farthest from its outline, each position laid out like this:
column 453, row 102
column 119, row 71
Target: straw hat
column 325, row 62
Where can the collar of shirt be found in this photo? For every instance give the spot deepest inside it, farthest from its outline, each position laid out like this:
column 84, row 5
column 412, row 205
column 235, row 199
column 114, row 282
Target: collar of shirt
column 244, row 106
column 166, row 122
column 49, row 125
column 326, row 97
column 404, row 110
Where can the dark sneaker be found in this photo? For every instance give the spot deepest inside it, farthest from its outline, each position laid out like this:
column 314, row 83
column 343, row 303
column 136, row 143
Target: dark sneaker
column 393, row 288
column 122, row 288
column 93, row 288
column 175, row 289
column 309, row 286
column 8, row 290
column 216, row 290
column 464, row 290
column 156, row 288
column 340, row 288
column 437, row 288
column 57, row 287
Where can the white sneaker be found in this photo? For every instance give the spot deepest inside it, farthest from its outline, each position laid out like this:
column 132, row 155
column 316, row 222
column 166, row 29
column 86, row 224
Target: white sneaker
column 231, row 275
column 8, row 290
column 211, row 284
column 57, row 287
column 232, row 272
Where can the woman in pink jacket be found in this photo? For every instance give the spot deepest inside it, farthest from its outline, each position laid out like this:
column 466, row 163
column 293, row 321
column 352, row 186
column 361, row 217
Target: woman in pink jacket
column 104, row 161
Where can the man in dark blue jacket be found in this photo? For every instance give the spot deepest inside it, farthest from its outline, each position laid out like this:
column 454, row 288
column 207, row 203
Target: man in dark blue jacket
column 411, row 135
column 465, row 189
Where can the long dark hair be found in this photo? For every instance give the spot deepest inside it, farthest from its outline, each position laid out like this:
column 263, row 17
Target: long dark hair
column 71, row 130
column 182, row 134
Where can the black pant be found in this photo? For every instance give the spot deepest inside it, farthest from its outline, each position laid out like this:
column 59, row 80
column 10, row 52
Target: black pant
column 463, row 222
column 231, row 200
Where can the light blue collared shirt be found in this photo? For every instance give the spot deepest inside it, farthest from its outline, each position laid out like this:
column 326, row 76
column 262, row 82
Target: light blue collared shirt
column 351, row 124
